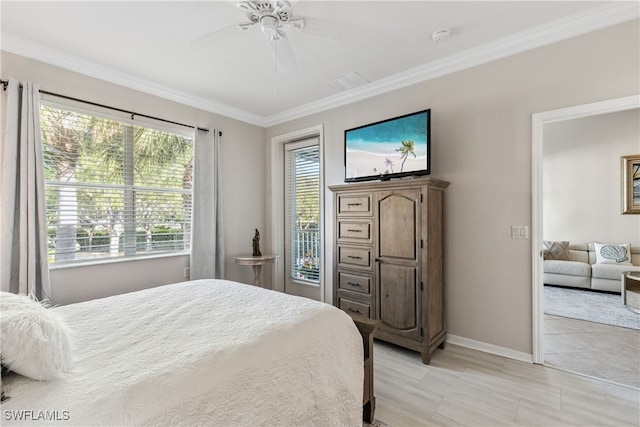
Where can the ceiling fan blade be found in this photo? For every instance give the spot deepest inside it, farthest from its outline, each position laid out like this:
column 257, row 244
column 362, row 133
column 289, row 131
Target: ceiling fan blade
column 246, row 5
column 281, row 48
column 333, row 30
column 205, row 40
column 281, row 6
column 295, row 23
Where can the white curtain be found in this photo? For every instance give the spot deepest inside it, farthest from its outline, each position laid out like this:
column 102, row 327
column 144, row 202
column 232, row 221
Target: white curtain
column 23, row 236
column 207, row 236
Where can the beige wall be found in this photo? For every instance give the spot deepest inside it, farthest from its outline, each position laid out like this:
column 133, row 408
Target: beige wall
column 581, row 178
column 243, row 171
column 481, row 132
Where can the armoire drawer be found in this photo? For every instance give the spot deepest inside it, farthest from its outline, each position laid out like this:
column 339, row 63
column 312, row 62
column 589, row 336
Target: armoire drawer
column 355, row 204
column 355, row 308
column 354, row 282
column 350, row 256
column 358, row 231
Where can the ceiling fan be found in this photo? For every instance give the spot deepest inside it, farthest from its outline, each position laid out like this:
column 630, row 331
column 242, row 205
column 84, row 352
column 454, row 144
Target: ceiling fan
column 273, row 18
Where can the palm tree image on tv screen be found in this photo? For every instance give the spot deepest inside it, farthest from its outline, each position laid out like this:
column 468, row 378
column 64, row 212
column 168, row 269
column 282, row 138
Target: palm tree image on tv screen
column 394, row 147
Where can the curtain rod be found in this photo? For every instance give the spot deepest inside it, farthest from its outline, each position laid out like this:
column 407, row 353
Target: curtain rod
column 95, row 104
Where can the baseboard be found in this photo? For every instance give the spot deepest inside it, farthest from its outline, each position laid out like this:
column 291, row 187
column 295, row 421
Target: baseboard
column 489, row 348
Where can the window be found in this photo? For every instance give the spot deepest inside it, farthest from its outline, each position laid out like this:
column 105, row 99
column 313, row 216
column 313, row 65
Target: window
column 302, row 211
column 114, row 189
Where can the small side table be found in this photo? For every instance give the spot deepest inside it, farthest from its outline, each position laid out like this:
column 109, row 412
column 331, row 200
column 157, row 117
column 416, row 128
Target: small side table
column 256, row 262
column 631, row 290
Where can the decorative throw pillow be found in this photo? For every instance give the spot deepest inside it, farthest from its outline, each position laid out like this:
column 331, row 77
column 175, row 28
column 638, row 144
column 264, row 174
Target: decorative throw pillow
column 556, row 250
column 607, row 253
column 34, row 340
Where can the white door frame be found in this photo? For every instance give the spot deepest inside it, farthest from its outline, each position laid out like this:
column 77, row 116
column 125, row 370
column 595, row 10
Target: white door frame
column 537, row 129
column 277, row 201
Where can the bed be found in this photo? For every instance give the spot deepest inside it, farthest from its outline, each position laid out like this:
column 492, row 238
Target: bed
column 203, row 352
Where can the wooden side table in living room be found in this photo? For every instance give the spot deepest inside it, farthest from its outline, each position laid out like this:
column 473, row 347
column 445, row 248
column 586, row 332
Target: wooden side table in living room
column 631, row 290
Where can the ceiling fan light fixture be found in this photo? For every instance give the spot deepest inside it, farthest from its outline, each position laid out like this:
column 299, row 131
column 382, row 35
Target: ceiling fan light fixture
column 269, row 26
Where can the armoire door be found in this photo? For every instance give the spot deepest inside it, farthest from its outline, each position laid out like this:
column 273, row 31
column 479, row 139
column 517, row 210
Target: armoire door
column 397, row 261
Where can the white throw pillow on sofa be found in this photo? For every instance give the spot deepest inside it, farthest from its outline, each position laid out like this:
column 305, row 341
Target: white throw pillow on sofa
column 607, row 253
column 34, row 340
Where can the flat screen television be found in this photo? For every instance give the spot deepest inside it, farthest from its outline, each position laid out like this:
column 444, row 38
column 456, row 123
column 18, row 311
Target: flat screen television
column 392, row 148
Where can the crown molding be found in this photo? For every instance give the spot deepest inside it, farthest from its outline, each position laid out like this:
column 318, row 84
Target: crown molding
column 596, row 18
column 574, row 25
column 38, row 52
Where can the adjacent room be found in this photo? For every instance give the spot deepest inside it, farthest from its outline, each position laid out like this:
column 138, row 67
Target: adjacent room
column 581, row 166
column 362, row 213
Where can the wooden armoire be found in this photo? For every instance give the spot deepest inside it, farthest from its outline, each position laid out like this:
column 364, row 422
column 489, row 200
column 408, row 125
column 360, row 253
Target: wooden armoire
column 388, row 258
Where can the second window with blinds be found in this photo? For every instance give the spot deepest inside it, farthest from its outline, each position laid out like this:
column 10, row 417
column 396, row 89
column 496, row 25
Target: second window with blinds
column 303, row 225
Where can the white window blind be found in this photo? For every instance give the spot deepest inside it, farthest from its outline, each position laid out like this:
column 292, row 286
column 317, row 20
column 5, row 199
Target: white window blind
column 114, row 189
column 303, row 205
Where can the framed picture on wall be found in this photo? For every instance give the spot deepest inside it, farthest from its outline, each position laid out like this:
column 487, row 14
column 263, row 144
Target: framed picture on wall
column 630, row 173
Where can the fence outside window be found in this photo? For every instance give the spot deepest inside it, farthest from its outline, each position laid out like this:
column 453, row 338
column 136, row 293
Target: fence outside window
column 114, row 189
column 307, row 258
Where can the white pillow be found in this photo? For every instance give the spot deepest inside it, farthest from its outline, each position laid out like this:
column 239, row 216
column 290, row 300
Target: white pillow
column 34, row 340
column 607, row 253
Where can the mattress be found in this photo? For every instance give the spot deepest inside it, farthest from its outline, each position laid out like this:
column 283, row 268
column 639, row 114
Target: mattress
column 203, row 352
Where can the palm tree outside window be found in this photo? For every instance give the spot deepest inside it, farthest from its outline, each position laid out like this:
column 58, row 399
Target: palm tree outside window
column 114, row 189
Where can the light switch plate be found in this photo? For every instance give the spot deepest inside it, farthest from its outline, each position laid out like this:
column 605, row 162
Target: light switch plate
column 519, row 231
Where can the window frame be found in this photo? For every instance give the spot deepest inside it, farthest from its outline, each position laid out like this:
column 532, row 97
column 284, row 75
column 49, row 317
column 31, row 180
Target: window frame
column 275, row 224
column 306, row 144
column 130, row 121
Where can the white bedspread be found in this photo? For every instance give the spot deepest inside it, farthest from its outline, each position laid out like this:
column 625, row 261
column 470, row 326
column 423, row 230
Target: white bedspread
column 205, row 352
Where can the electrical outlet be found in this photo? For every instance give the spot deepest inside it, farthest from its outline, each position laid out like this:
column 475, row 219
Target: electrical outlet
column 519, row 232
column 186, row 272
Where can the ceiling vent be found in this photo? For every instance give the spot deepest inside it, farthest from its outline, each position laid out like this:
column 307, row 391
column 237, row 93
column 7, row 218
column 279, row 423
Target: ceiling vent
column 350, row 81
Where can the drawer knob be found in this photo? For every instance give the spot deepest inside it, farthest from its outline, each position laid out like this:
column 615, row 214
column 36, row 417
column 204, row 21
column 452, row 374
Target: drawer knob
column 354, row 284
column 354, row 231
column 354, row 204
column 353, row 311
column 354, row 257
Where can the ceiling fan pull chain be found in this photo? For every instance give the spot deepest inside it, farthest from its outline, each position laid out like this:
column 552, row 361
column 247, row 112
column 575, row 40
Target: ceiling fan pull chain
column 275, row 69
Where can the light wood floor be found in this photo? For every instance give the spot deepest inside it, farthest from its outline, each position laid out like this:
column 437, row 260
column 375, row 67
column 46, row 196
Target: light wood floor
column 464, row 387
column 594, row 349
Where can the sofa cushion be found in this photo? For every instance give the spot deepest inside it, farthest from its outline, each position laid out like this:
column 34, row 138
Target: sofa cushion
column 568, row 280
column 556, row 250
column 580, row 252
column 573, row 268
column 611, row 271
column 606, row 285
column 607, row 253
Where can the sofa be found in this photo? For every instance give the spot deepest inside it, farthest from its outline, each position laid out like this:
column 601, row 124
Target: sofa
column 580, row 265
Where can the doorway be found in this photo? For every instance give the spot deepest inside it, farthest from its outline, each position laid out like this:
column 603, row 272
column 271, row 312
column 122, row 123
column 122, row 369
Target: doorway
column 539, row 120
column 297, row 212
column 302, row 226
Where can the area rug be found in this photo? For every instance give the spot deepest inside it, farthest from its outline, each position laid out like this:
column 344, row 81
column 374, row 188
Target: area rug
column 592, row 306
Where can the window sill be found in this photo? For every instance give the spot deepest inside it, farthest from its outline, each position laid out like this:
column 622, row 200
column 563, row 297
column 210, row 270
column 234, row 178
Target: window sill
column 117, row 261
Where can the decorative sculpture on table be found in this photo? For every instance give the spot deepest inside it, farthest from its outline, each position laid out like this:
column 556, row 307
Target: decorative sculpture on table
column 256, row 244
column 256, row 259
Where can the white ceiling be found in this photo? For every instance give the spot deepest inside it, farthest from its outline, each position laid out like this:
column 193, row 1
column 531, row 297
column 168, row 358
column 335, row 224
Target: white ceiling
column 144, row 45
